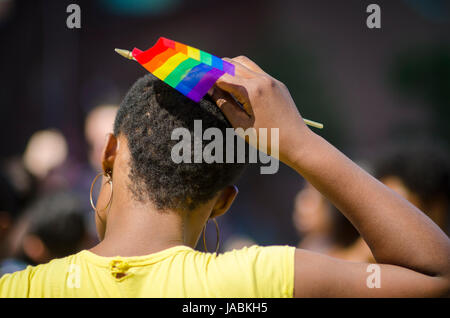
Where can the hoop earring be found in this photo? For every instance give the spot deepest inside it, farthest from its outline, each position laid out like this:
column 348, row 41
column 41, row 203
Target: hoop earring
column 217, row 233
column 107, row 174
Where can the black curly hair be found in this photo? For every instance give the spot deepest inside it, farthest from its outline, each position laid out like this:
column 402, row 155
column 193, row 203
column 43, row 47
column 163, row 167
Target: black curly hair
column 423, row 166
column 58, row 220
column 149, row 113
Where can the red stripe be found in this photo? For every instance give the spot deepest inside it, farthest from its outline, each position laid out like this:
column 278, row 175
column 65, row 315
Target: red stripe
column 135, row 52
column 161, row 45
column 167, row 42
column 159, row 60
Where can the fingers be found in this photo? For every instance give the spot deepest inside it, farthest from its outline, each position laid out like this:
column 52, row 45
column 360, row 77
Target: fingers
column 239, row 85
column 231, row 109
column 248, row 64
column 240, row 69
column 234, row 85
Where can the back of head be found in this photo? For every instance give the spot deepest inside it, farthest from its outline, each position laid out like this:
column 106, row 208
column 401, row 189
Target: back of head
column 148, row 115
column 58, row 221
column 423, row 167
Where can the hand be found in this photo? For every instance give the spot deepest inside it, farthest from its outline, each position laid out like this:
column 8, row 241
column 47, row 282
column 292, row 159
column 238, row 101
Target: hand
column 266, row 103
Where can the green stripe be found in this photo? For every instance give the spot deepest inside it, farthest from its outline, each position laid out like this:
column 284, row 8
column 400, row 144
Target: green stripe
column 206, row 58
column 180, row 72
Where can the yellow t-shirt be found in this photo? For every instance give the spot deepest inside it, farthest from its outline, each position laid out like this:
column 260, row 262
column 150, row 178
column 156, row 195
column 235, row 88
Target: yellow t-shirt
column 175, row 272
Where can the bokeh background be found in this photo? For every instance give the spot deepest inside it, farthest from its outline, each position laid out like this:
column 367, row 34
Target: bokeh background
column 374, row 89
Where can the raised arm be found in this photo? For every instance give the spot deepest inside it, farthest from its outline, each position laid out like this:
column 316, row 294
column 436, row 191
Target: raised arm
column 412, row 252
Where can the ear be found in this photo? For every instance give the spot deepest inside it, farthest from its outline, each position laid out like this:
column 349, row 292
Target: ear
column 109, row 152
column 224, row 201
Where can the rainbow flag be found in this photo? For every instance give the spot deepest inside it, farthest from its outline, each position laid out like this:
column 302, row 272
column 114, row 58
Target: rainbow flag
column 190, row 71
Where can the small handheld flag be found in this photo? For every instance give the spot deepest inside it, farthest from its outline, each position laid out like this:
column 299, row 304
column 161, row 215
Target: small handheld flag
column 190, row 71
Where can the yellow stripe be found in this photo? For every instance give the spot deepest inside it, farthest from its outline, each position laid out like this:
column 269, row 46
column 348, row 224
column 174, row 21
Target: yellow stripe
column 164, row 70
column 193, row 53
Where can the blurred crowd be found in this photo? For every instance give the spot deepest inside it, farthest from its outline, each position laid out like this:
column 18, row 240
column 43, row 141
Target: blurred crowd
column 419, row 172
column 45, row 211
column 369, row 88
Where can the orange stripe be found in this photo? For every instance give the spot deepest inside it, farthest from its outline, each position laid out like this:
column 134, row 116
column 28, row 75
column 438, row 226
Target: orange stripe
column 159, row 60
column 180, row 47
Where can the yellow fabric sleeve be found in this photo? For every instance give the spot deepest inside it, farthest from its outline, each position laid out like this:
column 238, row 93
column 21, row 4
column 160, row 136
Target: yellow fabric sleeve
column 256, row 271
column 16, row 284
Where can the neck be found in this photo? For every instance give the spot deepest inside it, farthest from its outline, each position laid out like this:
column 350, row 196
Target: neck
column 139, row 234
column 136, row 229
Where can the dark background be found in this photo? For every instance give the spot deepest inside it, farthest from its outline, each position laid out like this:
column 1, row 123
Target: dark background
column 369, row 87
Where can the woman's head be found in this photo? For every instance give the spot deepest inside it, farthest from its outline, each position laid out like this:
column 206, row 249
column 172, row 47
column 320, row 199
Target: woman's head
column 149, row 113
column 420, row 172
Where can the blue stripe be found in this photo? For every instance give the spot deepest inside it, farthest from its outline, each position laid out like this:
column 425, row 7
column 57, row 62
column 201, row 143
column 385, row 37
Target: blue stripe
column 192, row 78
column 216, row 62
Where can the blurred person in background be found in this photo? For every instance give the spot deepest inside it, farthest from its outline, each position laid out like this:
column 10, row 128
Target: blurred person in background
column 324, row 229
column 420, row 172
column 44, row 156
column 99, row 122
column 52, row 227
column 312, row 219
column 17, row 188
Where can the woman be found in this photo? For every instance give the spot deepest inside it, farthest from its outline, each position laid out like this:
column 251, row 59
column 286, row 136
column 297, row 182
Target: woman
column 151, row 211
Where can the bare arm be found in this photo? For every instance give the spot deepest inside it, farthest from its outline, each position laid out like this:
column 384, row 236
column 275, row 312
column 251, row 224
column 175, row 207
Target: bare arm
column 414, row 254
column 396, row 231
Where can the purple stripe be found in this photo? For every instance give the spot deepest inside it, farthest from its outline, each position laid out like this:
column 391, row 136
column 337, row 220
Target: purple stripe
column 203, row 86
column 228, row 68
column 192, row 78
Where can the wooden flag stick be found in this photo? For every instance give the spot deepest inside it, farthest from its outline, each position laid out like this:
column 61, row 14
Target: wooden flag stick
column 127, row 54
column 313, row 123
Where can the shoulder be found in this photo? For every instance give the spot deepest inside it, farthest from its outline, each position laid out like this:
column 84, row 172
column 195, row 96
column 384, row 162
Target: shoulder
column 265, row 253
column 262, row 271
column 43, row 280
column 247, row 256
column 263, row 260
